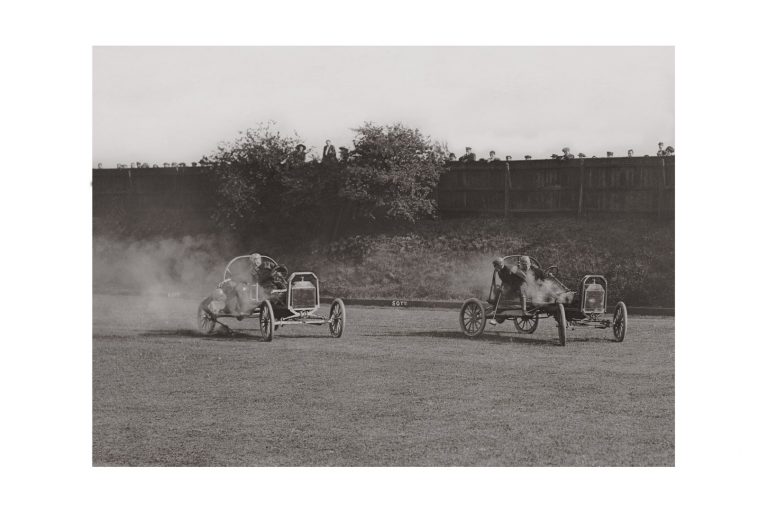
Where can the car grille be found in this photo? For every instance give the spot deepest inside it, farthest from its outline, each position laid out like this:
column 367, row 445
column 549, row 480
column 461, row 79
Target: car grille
column 593, row 301
column 303, row 298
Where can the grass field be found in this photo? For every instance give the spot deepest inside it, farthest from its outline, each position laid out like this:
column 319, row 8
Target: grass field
column 402, row 387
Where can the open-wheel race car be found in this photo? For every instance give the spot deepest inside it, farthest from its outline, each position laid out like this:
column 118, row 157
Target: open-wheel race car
column 547, row 297
column 257, row 287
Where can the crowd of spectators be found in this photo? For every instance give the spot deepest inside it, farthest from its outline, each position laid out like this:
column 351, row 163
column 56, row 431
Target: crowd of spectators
column 329, row 156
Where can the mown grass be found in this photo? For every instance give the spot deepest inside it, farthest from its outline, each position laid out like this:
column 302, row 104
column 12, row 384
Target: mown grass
column 401, row 388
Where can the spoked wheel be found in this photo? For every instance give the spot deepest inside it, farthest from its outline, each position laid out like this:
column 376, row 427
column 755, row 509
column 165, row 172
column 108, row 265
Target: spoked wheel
column 337, row 318
column 562, row 324
column 472, row 318
column 266, row 320
column 526, row 324
column 620, row 322
column 205, row 320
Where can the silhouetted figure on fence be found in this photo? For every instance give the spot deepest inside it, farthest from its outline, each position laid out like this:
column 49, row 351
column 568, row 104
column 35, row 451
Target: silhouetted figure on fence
column 582, row 155
column 451, row 157
column 527, row 157
column 492, row 156
column 343, row 154
column 329, row 153
column 567, row 154
column 469, row 156
column 508, row 158
column 630, row 153
column 609, row 154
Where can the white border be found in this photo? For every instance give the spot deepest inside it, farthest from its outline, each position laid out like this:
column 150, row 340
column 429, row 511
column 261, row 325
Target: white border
column 720, row 196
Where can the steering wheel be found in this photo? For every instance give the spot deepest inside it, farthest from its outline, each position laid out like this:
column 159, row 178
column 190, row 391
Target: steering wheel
column 552, row 271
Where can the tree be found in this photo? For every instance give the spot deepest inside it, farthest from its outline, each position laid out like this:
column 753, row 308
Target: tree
column 392, row 172
column 249, row 176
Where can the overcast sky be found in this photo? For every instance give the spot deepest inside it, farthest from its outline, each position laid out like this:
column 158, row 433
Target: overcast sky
column 166, row 104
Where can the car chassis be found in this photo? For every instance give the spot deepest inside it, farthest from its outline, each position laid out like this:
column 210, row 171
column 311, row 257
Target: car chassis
column 296, row 304
column 586, row 307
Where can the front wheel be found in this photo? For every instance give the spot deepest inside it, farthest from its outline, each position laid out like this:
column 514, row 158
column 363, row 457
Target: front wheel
column 205, row 319
column 526, row 324
column 562, row 324
column 337, row 318
column 472, row 318
column 266, row 320
column 620, row 322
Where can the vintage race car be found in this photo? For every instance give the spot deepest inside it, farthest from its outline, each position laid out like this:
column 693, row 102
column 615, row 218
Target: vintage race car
column 269, row 295
column 546, row 298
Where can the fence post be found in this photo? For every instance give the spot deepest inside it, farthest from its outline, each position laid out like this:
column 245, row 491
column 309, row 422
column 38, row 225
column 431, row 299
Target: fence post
column 581, row 188
column 662, row 185
column 507, row 179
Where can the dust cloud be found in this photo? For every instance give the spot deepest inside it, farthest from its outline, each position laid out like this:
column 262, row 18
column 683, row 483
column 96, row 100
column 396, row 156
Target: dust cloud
column 190, row 265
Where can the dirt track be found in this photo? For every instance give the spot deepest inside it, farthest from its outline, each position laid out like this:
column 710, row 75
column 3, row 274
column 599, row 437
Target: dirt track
column 402, row 387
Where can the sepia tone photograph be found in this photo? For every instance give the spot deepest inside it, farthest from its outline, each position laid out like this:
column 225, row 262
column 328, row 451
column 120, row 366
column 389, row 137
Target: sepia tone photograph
column 383, row 256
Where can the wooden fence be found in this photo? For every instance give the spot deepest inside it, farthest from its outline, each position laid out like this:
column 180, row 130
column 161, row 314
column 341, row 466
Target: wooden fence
column 636, row 185
column 151, row 190
column 640, row 185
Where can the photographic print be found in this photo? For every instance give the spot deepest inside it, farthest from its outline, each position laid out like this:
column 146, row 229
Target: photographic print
column 383, row 256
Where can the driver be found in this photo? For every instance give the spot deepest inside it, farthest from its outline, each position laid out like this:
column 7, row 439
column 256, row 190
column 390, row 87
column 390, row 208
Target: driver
column 531, row 272
column 270, row 278
column 516, row 277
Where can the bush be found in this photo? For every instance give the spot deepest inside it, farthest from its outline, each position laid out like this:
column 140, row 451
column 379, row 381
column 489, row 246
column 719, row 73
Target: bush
column 392, row 173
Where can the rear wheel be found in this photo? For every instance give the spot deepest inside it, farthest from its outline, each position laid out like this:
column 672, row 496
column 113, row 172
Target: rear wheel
column 266, row 320
column 472, row 318
column 620, row 322
column 526, row 324
column 562, row 324
column 205, row 319
column 337, row 318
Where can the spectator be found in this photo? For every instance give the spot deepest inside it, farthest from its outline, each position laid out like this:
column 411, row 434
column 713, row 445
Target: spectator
column 98, row 166
column 155, row 165
column 343, row 154
column 555, row 156
column 492, row 156
column 609, row 154
column 669, row 151
column 567, row 154
column 660, row 152
column 527, row 157
column 582, row 155
column 630, row 153
column 329, row 152
column 300, row 153
column 508, row 158
column 469, row 156
column 451, row 157
column 194, row 164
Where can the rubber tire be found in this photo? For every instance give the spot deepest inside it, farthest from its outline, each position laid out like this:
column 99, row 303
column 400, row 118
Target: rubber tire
column 475, row 306
column 619, row 317
column 266, row 320
column 562, row 325
column 518, row 320
column 342, row 317
column 205, row 323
